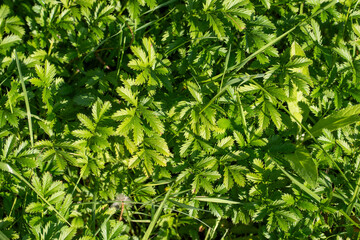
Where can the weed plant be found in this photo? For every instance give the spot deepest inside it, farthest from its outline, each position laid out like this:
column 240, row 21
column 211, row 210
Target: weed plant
column 179, row 119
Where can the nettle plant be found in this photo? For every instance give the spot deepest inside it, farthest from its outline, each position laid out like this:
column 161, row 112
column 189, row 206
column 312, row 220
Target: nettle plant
column 179, row 119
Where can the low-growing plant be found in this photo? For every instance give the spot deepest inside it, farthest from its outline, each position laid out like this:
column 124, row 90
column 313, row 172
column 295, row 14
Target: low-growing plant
column 179, row 119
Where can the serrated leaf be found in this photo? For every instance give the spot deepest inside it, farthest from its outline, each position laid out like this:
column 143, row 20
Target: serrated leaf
column 344, row 145
column 216, row 25
column 236, row 22
column 138, row 131
column 99, row 108
column 35, row 207
column 317, row 31
column 85, row 134
column 156, row 157
column 159, row 144
column 86, row 121
column 36, row 82
column 133, row 8
column 288, row 199
column 239, row 138
column 4, row 11
column 206, row 163
column 9, row 41
column 127, row 94
column 228, row 181
column 296, row 50
column 134, row 161
column 299, row 62
column 225, row 142
column 57, row 197
column 153, row 120
column 344, row 53
column 264, row 22
column 248, row 88
column 151, row 3
column 195, row 91
column 274, row 114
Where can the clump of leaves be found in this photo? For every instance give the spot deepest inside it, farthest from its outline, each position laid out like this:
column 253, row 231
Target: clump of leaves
column 179, row 119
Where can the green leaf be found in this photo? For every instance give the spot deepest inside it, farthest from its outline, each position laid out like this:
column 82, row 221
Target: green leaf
column 344, row 53
column 6, row 167
column 296, row 50
column 298, row 61
column 274, row 114
column 153, row 120
column 99, row 109
column 159, row 144
column 266, row 3
column 336, row 120
column 303, row 164
column 228, row 182
column 4, row 11
column 86, row 121
column 85, row 134
column 9, row 41
column 195, row 91
column 239, row 138
column 128, row 95
column 216, row 24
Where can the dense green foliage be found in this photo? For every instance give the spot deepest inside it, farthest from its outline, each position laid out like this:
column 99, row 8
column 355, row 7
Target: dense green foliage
column 180, row 119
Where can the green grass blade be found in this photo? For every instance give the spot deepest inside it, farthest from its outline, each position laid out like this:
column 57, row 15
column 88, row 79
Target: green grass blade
column 349, row 218
column 215, row 200
column 28, row 112
column 336, row 120
column 226, row 67
column 182, row 205
column 156, row 216
column 3, row 236
column 296, row 182
column 158, row 6
column 354, row 198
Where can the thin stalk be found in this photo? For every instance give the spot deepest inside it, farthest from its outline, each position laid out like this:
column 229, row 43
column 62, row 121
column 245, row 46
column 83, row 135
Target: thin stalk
column 122, row 42
column 157, row 7
column 354, row 197
column 93, row 221
column 213, row 230
column 77, row 182
column 28, row 112
column 226, row 67
column 156, row 216
column 242, row 115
